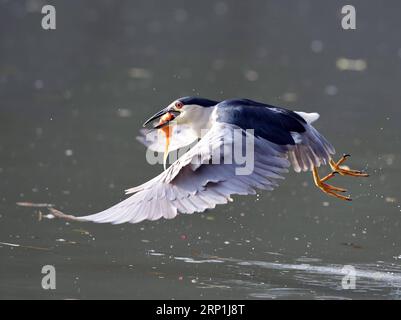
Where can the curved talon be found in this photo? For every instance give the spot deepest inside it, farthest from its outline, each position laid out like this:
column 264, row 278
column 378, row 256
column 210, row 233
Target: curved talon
column 335, row 188
column 327, row 188
column 336, row 166
column 338, row 195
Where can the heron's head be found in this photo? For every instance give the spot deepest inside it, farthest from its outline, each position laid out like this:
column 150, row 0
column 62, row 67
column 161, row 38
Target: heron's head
column 187, row 110
column 193, row 112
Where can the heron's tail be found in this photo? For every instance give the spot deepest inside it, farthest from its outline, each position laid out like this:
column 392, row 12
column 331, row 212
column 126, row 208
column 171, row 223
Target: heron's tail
column 308, row 117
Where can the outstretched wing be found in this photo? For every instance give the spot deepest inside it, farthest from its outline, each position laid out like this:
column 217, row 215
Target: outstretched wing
column 201, row 178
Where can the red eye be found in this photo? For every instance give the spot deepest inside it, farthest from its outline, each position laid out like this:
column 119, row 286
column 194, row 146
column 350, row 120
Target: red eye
column 179, row 105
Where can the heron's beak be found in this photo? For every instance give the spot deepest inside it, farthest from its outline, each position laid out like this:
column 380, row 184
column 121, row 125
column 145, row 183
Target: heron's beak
column 166, row 116
column 160, row 114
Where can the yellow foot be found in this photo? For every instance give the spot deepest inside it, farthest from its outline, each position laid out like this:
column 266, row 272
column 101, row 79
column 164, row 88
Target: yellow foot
column 336, row 166
column 327, row 188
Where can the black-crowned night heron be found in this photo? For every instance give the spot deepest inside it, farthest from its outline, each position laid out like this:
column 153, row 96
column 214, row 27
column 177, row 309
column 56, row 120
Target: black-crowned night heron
column 203, row 177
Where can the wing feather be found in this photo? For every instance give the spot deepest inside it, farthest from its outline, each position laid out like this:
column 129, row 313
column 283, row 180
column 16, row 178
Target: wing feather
column 188, row 186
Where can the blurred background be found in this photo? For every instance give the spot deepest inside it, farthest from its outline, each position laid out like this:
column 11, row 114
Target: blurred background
column 73, row 99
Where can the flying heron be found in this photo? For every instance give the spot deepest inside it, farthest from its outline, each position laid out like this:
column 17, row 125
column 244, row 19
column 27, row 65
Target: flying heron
column 196, row 182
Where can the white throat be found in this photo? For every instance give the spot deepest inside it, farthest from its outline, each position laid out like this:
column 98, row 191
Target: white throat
column 200, row 119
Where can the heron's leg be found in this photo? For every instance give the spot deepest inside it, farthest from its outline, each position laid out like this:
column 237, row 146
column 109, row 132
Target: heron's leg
column 336, row 166
column 329, row 176
column 326, row 188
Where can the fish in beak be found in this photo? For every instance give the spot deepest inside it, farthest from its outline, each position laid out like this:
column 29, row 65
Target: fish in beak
column 166, row 116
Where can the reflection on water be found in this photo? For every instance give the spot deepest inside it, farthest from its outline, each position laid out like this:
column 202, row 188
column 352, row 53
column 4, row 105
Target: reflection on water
column 265, row 280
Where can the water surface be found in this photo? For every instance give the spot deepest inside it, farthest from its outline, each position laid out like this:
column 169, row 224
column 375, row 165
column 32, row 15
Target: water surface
column 72, row 101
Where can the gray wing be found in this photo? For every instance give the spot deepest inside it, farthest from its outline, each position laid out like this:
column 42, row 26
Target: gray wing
column 197, row 181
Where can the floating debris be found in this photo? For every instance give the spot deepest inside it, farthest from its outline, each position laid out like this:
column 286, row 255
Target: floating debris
column 390, row 200
column 34, row 205
column 82, row 231
column 65, row 241
column 9, row 244
column 351, row 64
column 23, row 246
column 38, row 84
column 352, row 245
column 331, row 90
column 152, row 253
column 388, row 158
column 191, row 260
column 124, row 113
column 218, row 64
column 274, row 253
column 38, row 132
column 139, row 73
column 316, row 46
column 290, row 97
column 251, row 75
column 308, row 259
